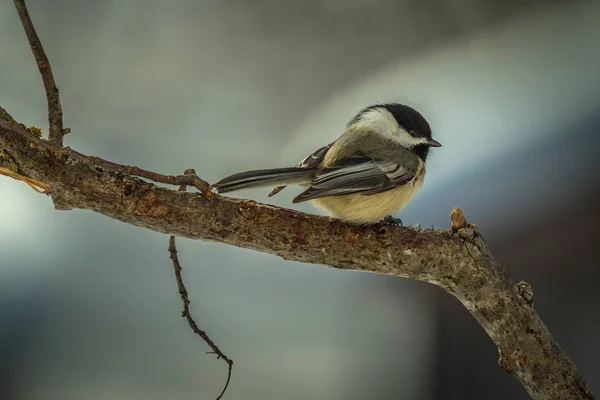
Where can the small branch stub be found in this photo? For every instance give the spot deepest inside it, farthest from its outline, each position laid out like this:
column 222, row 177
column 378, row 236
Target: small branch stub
column 526, row 291
column 457, row 219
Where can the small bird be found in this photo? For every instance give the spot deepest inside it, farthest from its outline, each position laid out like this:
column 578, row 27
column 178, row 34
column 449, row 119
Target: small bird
column 368, row 174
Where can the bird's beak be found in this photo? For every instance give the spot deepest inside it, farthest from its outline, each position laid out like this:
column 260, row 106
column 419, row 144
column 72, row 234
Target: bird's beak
column 433, row 143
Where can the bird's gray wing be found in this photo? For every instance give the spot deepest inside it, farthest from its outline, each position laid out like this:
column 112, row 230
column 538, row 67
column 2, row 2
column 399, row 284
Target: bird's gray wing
column 356, row 174
column 310, row 161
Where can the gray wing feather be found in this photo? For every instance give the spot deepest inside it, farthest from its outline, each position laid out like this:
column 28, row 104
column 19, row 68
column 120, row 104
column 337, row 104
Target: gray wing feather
column 310, row 161
column 356, row 174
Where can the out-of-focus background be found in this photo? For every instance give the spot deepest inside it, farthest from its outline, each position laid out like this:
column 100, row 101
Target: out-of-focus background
column 89, row 307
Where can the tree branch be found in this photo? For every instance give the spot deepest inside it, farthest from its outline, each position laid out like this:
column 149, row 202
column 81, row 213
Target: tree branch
column 55, row 116
column 186, row 303
column 456, row 260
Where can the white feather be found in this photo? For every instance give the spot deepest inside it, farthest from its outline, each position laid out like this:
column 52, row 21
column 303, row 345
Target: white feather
column 383, row 122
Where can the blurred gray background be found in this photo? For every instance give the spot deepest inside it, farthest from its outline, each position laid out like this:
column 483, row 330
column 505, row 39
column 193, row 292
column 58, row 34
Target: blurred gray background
column 89, row 307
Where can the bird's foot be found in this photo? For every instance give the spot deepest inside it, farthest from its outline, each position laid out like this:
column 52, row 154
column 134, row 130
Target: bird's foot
column 387, row 223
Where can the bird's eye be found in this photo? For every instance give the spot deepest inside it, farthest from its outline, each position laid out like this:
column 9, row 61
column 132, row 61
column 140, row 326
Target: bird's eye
column 412, row 132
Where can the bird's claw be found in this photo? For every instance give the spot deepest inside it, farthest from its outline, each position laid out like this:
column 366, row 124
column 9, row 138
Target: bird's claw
column 387, row 223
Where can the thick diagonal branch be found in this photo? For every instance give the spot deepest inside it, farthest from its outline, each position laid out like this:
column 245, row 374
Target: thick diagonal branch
column 458, row 262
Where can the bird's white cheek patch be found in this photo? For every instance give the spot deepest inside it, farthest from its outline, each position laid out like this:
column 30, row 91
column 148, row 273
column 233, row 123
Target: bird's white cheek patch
column 381, row 121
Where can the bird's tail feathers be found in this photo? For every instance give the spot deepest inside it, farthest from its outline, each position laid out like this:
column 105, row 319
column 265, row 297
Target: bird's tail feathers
column 264, row 177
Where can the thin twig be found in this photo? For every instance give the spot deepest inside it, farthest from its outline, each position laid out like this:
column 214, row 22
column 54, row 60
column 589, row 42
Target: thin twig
column 186, row 302
column 36, row 185
column 188, row 180
column 55, row 116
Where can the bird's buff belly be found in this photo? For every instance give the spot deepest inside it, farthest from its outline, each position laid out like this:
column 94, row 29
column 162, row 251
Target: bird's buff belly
column 365, row 209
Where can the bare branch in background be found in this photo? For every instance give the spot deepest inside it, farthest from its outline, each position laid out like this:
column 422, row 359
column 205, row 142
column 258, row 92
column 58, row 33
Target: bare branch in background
column 186, row 302
column 456, row 260
column 55, row 115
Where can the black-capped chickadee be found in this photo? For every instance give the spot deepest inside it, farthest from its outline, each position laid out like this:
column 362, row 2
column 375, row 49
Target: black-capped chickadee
column 369, row 173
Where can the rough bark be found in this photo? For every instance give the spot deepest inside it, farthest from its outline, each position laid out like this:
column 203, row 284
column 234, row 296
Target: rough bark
column 456, row 260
